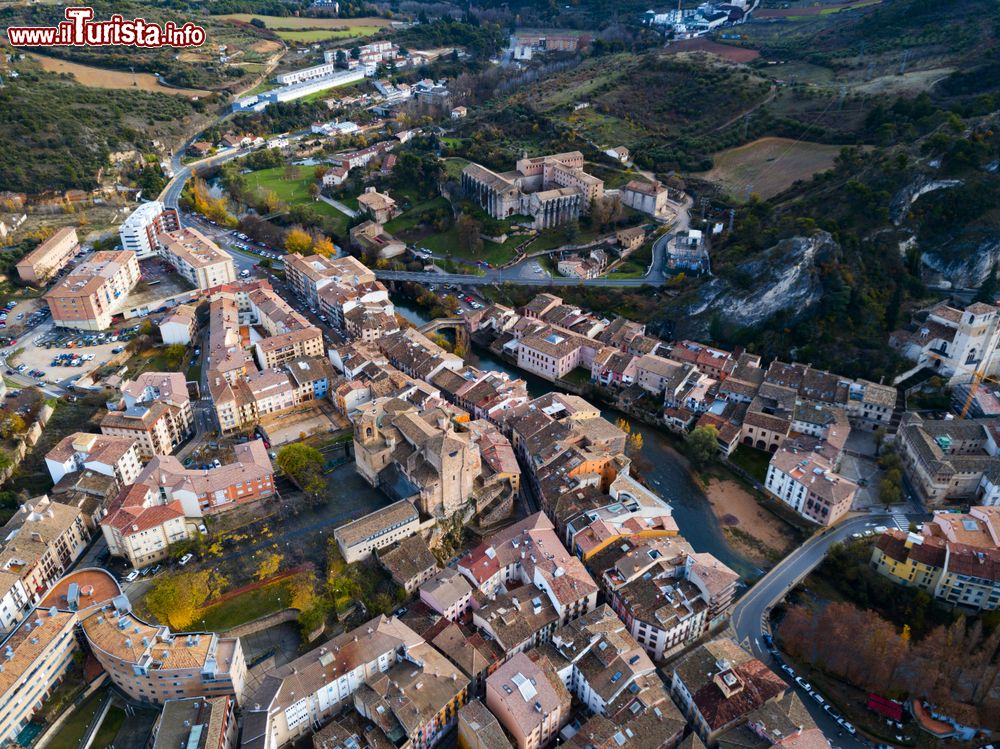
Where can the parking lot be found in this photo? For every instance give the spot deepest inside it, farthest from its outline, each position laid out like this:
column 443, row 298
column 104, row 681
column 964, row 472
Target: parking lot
column 60, row 355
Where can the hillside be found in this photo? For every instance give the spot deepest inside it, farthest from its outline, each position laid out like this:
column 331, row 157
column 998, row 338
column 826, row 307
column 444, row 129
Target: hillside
column 248, row 47
column 55, row 134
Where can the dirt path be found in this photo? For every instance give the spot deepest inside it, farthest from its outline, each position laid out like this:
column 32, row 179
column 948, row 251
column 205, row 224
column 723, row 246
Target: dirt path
column 750, row 529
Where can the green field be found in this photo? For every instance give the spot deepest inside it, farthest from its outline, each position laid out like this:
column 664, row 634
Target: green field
column 304, row 22
column 245, row 607
column 322, row 35
column 453, row 165
column 411, row 218
column 289, row 188
column 71, row 732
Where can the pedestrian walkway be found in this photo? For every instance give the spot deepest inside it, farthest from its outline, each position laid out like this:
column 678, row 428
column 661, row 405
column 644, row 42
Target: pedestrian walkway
column 338, row 205
column 901, row 521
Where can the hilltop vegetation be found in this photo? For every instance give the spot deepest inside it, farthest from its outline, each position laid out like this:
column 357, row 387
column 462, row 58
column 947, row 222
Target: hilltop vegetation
column 198, row 68
column 56, row 134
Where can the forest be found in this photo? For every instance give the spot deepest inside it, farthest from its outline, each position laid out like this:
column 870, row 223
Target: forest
column 953, row 666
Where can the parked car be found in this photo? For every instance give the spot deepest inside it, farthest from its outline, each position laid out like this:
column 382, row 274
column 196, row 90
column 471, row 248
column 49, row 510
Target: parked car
column 818, row 697
column 131, row 576
column 788, row 670
column 803, row 683
column 185, row 559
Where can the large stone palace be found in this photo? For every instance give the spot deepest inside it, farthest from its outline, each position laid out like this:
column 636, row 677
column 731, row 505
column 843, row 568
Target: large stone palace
column 552, row 190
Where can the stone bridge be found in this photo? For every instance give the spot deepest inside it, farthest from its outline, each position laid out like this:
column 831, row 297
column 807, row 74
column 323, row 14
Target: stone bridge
column 455, row 324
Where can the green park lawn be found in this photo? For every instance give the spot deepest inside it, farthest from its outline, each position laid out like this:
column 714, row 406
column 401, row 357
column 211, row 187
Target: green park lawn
column 245, row 607
column 288, row 190
column 71, row 732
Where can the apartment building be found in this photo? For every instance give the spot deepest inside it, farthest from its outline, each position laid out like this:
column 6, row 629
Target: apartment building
column 604, row 668
column 154, row 411
column 116, row 457
column 530, row 552
column 36, row 657
column 87, row 298
column 479, row 729
column 806, row 480
column 552, row 353
column 196, row 723
column 307, row 275
column 197, row 258
column 167, row 499
column 274, row 351
column 295, row 698
column 448, row 593
column 589, row 522
column 955, row 558
column 139, row 231
column 719, row 684
column 178, row 325
column 289, row 334
column 379, row 206
column 40, row 541
column 528, row 700
column 153, row 665
column 666, row 594
column 409, row 562
column 376, row 530
column 50, row 257
column 517, row 619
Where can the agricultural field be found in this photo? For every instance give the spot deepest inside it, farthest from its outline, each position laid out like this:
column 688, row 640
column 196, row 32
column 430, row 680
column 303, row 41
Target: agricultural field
column 725, row 51
column 322, row 35
column 299, row 22
column 768, row 165
column 88, row 75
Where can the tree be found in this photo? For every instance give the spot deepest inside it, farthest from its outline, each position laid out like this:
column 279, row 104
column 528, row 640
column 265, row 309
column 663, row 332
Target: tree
column 988, row 289
column 470, row 240
column 323, row 246
column 702, row 444
column 355, row 53
column 11, row 424
column 624, row 425
column 633, row 444
column 173, row 355
column 175, row 597
column 298, row 242
column 269, row 565
column 341, row 58
column 304, row 466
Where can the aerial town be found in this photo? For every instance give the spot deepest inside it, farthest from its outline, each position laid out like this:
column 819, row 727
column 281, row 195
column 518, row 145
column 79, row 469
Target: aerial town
column 418, row 375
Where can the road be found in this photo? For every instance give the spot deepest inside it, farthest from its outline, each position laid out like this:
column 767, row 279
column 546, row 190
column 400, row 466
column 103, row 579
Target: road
column 753, row 608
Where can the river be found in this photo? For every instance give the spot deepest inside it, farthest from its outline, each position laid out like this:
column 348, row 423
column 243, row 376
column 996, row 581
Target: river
column 663, row 468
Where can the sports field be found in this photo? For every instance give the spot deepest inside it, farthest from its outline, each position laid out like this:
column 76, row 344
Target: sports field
column 768, row 165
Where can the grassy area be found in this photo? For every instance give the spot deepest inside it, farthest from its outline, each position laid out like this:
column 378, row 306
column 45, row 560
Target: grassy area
column 413, row 217
column 322, row 35
column 578, row 376
column 110, row 726
column 245, row 607
column 453, row 165
column 751, row 460
column 301, row 22
column 71, row 733
column 291, row 186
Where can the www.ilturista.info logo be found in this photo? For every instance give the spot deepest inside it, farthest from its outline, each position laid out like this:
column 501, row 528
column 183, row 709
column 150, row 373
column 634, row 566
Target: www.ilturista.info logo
column 78, row 30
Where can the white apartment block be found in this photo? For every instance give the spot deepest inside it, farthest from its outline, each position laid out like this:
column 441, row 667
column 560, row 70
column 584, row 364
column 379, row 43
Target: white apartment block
column 138, row 232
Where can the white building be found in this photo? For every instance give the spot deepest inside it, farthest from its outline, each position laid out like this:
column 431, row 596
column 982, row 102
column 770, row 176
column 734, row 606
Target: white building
column 117, row 457
column 138, row 231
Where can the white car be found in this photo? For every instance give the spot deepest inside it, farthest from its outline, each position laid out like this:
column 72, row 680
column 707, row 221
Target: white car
column 185, row 559
column 132, row 576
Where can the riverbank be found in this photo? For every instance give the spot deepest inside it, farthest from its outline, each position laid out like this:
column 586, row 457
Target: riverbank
column 751, row 529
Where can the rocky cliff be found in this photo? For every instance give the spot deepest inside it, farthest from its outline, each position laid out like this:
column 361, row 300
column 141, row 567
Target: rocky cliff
column 784, row 277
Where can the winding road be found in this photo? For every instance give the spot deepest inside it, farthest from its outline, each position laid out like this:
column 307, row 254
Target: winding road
column 750, row 615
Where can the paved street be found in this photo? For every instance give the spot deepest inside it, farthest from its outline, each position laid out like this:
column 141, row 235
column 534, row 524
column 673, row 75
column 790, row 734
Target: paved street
column 751, row 610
